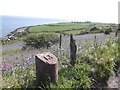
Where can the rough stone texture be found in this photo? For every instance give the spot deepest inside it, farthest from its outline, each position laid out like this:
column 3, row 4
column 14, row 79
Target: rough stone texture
column 119, row 78
column 73, row 49
column 119, row 81
column 114, row 81
column 46, row 68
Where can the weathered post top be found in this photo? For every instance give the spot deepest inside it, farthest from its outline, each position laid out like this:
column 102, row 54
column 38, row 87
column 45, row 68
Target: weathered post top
column 46, row 68
column 47, row 58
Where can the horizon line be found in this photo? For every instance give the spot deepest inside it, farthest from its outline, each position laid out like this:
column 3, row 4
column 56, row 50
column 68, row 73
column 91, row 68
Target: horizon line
column 66, row 20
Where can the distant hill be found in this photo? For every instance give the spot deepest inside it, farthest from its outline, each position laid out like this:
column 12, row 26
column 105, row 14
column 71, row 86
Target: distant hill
column 11, row 23
column 65, row 28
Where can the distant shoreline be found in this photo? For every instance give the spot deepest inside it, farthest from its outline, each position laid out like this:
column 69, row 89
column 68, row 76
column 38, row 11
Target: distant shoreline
column 11, row 23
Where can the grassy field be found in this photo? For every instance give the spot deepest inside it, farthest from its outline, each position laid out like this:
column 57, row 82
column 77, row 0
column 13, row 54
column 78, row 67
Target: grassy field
column 58, row 27
column 75, row 28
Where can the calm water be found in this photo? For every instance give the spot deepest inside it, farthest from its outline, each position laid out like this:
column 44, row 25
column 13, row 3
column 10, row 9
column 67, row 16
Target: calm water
column 10, row 23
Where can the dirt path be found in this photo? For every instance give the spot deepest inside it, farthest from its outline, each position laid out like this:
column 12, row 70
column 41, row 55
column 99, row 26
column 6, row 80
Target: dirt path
column 100, row 38
column 12, row 59
column 16, row 45
column 25, row 58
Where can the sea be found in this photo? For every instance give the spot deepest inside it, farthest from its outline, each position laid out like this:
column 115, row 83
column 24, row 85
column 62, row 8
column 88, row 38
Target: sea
column 11, row 23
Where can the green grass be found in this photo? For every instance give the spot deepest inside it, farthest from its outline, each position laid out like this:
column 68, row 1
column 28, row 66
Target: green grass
column 93, row 59
column 68, row 28
column 19, row 78
column 98, row 60
column 57, row 27
column 13, row 51
column 74, row 32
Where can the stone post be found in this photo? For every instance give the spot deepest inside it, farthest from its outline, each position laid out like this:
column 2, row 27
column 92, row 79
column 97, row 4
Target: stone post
column 119, row 78
column 73, row 49
column 46, row 68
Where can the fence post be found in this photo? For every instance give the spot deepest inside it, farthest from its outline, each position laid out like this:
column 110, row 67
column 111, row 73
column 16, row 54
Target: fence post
column 46, row 68
column 60, row 41
column 73, row 49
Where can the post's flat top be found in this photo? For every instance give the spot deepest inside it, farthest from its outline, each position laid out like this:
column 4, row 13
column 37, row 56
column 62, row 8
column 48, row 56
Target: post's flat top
column 47, row 57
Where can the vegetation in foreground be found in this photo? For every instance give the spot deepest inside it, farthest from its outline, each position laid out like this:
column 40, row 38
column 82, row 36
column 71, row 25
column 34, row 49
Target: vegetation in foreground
column 95, row 64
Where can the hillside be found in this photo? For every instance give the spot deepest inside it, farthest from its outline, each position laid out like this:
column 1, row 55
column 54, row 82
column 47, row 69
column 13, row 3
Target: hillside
column 65, row 28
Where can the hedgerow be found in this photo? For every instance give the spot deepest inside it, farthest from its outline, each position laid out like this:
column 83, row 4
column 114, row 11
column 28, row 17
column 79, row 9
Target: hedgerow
column 41, row 40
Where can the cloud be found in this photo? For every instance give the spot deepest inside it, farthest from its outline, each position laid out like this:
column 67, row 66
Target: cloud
column 94, row 10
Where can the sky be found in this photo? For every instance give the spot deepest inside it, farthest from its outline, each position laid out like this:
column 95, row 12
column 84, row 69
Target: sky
column 74, row 10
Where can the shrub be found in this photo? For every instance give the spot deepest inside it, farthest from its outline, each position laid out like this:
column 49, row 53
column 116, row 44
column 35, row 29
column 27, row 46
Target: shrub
column 81, row 76
column 93, row 28
column 101, row 31
column 41, row 40
column 107, row 31
column 103, row 60
column 82, row 32
column 74, row 77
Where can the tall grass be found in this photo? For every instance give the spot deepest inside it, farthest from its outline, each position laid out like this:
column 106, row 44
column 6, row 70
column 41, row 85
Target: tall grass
column 93, row 68
column 94, row 63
